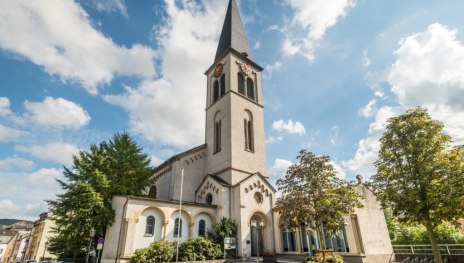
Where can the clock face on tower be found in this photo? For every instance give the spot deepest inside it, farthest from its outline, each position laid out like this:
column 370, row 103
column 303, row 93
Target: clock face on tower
column 245, row 68
column 218, row 70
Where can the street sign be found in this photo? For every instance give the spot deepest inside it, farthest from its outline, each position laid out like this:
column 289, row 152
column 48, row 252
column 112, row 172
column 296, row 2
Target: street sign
column 101, row 240
column 230, row 243
column 99, row 246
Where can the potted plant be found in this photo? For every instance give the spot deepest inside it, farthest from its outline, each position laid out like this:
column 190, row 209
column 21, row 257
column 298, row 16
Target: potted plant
column 269, row 256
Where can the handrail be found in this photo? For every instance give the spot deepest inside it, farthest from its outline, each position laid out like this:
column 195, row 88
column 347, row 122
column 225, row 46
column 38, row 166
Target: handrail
column 445, row 249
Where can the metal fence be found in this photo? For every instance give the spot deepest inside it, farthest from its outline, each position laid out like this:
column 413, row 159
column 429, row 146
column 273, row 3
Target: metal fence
column 445, row 249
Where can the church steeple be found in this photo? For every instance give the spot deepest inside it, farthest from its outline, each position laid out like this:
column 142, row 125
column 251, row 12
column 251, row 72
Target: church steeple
column 233, row 35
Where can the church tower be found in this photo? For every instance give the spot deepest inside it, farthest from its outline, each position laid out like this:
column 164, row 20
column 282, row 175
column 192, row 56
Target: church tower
column 234, row 107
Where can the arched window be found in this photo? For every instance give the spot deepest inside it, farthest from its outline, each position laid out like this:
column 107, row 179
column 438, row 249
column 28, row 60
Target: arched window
column 215, row 91
column 250, row 89
column 217, row 137
column 248, row 131
column 241, row 83
column 178, row 228
column 150, row 227
column 202, row 228
column 209, row 199
column 152, row 192
column 217, row 132
column 223, row 85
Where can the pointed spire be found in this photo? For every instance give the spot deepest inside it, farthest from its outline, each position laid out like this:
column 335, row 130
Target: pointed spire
column 233, row 35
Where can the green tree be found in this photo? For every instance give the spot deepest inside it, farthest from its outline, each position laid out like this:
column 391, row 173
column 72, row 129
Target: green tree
column 226, row 227
column 115, row 167
column 312, row 193
column 419, row 174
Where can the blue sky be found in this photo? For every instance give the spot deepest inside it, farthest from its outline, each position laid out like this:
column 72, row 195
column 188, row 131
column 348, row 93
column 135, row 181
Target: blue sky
column 75, row 72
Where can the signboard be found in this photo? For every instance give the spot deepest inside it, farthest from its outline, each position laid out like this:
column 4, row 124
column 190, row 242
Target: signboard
column 99, row 246
column 230, row 243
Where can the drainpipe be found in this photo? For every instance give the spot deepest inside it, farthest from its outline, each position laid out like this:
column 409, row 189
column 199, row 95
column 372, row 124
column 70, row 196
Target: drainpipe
column 120, row 230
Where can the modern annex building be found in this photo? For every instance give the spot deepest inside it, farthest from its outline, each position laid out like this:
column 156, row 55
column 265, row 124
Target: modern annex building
column 226, row 177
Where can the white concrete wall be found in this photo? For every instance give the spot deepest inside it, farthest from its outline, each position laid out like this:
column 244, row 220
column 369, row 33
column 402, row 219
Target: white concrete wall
column 208, row 224
column 373, row 228
column 130, row 225
column 142, row 239
column 194, row 172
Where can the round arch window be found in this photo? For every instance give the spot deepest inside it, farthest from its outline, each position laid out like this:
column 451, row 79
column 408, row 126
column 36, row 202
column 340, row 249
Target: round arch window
column 209, row 199
column 258, row 198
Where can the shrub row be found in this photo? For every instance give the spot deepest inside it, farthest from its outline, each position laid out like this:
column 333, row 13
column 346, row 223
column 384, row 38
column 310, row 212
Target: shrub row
column 194, row 249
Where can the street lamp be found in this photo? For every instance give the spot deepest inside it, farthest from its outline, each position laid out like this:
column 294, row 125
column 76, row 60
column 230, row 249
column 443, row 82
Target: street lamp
column 91, row 235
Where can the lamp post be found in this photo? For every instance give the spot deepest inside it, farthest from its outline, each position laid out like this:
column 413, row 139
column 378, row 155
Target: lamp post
column 91, row 235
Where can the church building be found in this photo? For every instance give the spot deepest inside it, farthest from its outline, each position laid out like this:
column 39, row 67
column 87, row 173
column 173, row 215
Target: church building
column 226, row 177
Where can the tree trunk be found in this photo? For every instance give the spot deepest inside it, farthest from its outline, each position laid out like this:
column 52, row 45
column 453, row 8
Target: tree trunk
column 320, row 238
column 433, row 243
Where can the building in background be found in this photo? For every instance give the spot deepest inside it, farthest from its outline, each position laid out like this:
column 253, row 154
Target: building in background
column 38, row 243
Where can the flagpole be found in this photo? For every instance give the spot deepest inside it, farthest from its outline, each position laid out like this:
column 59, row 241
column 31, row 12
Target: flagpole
column 179, row 226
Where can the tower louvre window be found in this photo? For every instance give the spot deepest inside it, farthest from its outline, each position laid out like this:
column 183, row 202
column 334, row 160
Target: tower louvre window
column 223, row 85
column 241, row 83
column 215, row 91
column 219, row 88
column 250, row 89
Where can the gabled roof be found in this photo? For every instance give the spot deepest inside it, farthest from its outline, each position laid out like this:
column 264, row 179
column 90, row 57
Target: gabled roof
column 232, row 35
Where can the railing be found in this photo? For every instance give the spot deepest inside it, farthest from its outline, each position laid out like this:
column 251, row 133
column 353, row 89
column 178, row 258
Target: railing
column 445, row 249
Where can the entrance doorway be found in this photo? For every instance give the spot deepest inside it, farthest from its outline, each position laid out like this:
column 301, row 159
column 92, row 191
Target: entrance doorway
column 256, row 232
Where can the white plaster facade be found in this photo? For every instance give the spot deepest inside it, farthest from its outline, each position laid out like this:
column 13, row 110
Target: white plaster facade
column 226, row 177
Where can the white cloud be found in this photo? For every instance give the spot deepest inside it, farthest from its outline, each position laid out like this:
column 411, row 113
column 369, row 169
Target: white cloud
column 334, row 130
column 170, row 110
column 278, row 169
column 8, row 134
column 4, row 106
column 340, row 171
column 14, row 161
column 155, row 160
column 58, row 152
column 289, row 49
column 29, row 189
column 429, row 69
column 56, row 112
column 314, row 17
column 59, row 36
column 273, row 139
column 368, row 110
column 366, row 61
column 110, row 6
column 428, row 72
column 366, row 155
column 290, row 127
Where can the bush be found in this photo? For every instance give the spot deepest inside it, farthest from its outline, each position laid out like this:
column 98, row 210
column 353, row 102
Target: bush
column 199, row 249
column 328, row 259
column 158, row 251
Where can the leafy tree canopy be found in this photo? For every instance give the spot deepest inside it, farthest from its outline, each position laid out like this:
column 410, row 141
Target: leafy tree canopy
column 420, row 174
column 115, row 167
column 312, row 193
